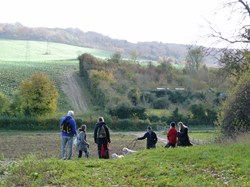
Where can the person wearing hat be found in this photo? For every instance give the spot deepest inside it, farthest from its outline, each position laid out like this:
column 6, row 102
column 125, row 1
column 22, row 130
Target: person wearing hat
column 151, row 138
column 172, row 136
column 67, row 135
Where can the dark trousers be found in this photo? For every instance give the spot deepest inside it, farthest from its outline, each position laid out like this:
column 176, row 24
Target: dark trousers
column 80, row 154
column 170, row 145
column 105, row 146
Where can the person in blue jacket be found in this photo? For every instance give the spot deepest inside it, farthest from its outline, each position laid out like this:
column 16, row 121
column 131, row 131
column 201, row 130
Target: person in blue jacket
column 67, row 136
column 151, row 138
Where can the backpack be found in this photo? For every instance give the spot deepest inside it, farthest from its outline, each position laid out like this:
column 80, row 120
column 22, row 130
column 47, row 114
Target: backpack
column 101, row 132
column 66, row 127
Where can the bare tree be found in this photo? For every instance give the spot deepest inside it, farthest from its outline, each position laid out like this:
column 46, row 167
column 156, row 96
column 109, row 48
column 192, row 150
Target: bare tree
column 194, row 58
column 241, row 35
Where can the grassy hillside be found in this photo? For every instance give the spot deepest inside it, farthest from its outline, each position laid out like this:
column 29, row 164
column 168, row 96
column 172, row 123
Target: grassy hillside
column 12, row 73
column 210, row 165
column 21, row 50
column 20, row 59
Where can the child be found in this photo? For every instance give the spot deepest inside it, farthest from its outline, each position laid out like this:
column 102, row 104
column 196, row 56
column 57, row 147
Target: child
column 172, row 135
column 82, row 144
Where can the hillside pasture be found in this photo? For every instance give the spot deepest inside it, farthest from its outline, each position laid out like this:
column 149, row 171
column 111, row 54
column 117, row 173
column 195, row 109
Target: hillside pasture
column 12, row 73
column 21, row 50
column 19, row 59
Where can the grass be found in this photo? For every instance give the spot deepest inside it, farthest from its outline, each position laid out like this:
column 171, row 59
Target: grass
column 21, row 50
column 19, row 59
column 158, row 112
column 12, row 73
column 207, row 165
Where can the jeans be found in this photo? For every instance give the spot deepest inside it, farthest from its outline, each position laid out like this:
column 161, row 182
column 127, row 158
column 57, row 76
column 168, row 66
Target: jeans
column 67, row 140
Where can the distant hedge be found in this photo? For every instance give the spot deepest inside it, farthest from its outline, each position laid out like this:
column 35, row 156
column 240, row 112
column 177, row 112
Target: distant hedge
column 114, row 123
column 14, row 123
column 52, row 124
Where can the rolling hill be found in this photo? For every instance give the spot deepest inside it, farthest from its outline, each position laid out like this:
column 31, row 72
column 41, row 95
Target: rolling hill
column 76, row 37
column 21, row 50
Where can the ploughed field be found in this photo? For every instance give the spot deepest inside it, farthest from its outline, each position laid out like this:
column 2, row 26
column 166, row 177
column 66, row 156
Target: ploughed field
column 17, row 145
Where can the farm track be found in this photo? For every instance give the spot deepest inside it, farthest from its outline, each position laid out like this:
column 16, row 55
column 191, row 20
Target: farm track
column 74, row 90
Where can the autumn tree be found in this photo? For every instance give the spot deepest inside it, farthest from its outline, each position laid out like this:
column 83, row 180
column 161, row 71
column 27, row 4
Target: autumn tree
column 235, row 59
column 38, row 95
column 194, row 59
column 134, row 96
column 235, row 115
column 4, row 103
column 116, row 57
column 134, row 56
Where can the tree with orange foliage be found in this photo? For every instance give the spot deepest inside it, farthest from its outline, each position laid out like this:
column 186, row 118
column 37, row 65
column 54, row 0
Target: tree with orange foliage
column 38, row 95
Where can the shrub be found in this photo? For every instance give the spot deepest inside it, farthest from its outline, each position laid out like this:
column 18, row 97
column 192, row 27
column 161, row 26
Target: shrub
column 235, row 115
column 161, row 103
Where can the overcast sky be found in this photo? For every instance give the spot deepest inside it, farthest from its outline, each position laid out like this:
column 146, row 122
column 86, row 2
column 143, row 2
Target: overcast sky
column 168, row 21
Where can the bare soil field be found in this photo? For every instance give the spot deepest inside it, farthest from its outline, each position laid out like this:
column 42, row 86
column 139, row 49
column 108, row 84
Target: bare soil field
column 16, row 145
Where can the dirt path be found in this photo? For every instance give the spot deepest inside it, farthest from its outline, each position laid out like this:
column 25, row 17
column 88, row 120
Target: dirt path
column 160, row 135
column 74, row 90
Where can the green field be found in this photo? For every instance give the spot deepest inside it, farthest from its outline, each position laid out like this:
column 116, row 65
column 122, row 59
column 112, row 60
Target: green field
column 21, row 50
column 20, row 59
column 12, row 73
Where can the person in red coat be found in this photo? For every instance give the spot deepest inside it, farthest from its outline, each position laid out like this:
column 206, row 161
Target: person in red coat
column 172, row 135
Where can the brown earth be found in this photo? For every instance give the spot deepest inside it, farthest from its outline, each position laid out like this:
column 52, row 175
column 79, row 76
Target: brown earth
column 74, row 89
column 16, row 145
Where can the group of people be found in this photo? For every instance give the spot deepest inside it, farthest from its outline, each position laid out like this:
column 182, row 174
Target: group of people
column 101, row 137
column 179, row 138
column 175, row 138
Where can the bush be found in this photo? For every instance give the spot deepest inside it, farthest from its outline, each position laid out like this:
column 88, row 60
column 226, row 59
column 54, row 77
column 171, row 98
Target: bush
column 235, row 115
column 31, row 123
column 161, row 103
column 125, row 111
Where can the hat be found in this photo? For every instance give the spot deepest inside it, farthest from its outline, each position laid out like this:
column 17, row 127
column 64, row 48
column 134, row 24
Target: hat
column 70, row 113
column 149, row 127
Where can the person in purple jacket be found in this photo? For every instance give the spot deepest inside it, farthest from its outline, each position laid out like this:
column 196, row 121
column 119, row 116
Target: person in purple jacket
column 67, row 135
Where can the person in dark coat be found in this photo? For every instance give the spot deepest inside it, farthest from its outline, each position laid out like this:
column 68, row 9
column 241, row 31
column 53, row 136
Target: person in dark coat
column 151, row 138
column 102, row 137
column 183, row 138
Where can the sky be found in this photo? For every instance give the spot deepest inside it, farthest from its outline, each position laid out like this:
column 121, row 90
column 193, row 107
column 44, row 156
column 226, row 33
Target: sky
column 167, row 21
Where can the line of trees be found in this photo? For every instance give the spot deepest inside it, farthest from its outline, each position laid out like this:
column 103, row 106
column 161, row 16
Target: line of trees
column 126, row 90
